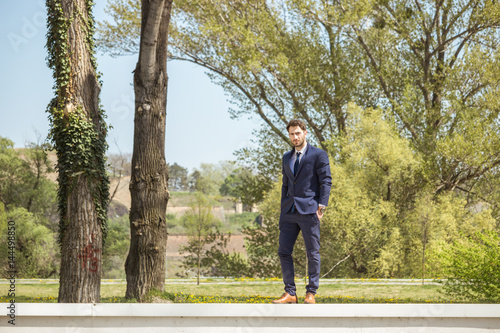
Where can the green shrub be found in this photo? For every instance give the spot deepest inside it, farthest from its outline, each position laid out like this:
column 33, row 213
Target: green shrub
column 116, row 248
column 472, row 268
column 35, row 245
column 237, row 222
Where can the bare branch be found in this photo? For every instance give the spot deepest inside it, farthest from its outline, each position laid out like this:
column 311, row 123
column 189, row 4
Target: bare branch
column 235, row 82
column 341, row 261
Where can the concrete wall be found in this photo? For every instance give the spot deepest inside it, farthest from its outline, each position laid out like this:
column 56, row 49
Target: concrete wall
column 221, row 318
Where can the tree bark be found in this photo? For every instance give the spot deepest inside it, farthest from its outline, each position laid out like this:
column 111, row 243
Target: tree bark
column 81, row 249
column 145, row 264
column 82, row 235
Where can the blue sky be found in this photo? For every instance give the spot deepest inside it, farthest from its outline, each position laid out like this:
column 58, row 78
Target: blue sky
column 199, row 128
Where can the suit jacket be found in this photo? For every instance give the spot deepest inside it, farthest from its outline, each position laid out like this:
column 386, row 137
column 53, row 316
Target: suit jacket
column 311, row 185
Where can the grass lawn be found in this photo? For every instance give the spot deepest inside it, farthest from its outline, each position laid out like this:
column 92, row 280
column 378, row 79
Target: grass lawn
column 246, row 291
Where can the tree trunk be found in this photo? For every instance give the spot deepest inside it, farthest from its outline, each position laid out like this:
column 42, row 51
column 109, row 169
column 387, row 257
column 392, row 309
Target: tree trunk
column 79, row 132
column 145, row 264
column 199, row 267
column 81, row 249
column 424, row 241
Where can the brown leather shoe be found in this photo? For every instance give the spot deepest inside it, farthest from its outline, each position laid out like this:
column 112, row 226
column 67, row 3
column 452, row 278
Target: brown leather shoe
column 286, row 298
column 309, row 299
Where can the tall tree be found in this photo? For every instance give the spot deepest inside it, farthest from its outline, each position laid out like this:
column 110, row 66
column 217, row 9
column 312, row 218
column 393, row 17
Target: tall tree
column 434, row 64
column 209, row 177
column 245, row 186
column 39, row 162
column 11, row 167
column 275, row 59
column 145, row 264
column 438, row 67
column 177, row 177
column 78, row 132
column 199, row 222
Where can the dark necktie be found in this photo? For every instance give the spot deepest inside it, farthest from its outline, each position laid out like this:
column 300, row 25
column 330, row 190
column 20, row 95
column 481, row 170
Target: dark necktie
column 296, row 165
column 295, row 169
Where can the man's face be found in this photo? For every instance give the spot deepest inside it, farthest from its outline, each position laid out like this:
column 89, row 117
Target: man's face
column 297, row 136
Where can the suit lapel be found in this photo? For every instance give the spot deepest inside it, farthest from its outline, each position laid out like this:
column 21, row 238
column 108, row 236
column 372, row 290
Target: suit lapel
column 286, row 161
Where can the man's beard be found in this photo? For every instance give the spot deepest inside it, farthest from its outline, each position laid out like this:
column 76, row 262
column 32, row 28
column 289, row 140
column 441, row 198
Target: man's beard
column 300, row 143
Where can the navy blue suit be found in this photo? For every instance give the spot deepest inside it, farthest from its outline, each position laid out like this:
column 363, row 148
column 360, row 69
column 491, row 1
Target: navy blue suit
column 301, row 196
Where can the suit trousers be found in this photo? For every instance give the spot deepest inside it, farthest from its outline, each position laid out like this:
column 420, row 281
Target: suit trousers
column 290, row 225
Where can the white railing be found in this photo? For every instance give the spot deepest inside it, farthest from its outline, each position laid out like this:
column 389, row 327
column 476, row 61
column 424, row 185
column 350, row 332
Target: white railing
column 221, row 318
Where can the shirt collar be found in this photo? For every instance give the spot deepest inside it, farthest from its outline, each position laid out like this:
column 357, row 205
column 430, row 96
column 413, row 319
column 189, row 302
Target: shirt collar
column 301, row 151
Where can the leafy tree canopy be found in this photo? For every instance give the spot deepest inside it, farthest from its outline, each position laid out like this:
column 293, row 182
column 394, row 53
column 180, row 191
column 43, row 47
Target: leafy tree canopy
column 243, row 185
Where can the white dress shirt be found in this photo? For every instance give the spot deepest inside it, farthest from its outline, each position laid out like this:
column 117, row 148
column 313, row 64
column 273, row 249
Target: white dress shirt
column 294, row 156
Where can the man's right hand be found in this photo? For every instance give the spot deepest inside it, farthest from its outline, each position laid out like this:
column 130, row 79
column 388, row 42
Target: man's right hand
column 320, row 213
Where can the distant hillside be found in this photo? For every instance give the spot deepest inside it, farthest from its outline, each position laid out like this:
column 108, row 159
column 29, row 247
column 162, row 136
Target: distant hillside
column 177, row 204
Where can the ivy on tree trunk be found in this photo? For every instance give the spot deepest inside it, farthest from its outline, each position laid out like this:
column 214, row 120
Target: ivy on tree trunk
column 78, row 132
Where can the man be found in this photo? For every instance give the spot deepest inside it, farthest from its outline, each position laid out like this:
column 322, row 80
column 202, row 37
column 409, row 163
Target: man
column 304, row 196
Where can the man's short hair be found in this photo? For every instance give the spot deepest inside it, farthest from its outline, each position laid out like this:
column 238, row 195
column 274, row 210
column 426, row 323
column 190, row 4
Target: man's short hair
column 296, row 122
